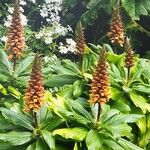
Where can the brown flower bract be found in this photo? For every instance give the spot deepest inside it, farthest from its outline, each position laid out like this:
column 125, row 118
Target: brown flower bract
column 100, row 86
column 129, row 60
column 34, row 96
column 116, row 32
column 80, row 39
column 16, row 40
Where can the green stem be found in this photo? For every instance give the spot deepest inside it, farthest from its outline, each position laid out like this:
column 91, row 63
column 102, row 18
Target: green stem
column 98, row 113
column 128, row 75
column 81, row 63
column 35, row 119
column 14, row 62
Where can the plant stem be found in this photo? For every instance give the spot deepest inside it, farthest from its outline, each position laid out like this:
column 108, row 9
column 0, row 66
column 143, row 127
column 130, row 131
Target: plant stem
column 81, row 63
column 98, row 113
column 128, row 75
column 35, row 119
column 14, row 62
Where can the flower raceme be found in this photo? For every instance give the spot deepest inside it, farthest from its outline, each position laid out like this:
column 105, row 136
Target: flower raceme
column 129, row 60
column 116, row 33
column 15, row 39
column 100, row 86
column 80, row 39
column 34, row 96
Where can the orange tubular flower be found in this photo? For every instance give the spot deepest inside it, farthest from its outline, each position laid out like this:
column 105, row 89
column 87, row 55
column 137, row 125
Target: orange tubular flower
column 34, row 96
column 100, row 86
column 116, row 33
column 16, row 40
column 129, row 60
column 80, row 39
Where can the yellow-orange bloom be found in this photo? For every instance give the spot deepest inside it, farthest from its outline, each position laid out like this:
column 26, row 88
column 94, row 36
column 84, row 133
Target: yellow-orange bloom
column 16, row 40
column 34, row 96
column 100, row 86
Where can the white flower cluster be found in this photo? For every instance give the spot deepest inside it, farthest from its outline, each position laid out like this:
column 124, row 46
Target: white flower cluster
column 23, row 2
column 50, row 10
column 69, row 47
column 24, row 20
column 48, row 34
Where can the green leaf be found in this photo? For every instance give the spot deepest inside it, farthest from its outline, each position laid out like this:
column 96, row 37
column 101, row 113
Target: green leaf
column 16, row 118
column 31, row 147
column 77, row 134
column 61, row 70
column 114, row 58
column 5, row 145
column 16, row 138
column 78, row 108
column 22, row 66
column 121, row 106
column 144, row 126
column 3, row 90
column 77, row 88
column 4, row 124
column 71, row 66
column 142, row 88
column 5, row 67
column 94, row 141
column 140, row 102
column 49, row 139
column 66, row 91
column 141, row 9
column 128, row 145
column 113, row 145
column 60, row 80
column 14, row 92
column 108, row 115
column 82, row 120
column 76, row 146
column 130, row 8
column 116, row 94
column 52, row 123
column 41, row 145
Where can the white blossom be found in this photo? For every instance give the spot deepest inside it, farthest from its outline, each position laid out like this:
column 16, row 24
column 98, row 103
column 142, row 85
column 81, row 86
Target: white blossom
column 69, row 47
column 48, row 40
column 8, row 20
column 22, row 2
column 50, row 10
column 4, row 39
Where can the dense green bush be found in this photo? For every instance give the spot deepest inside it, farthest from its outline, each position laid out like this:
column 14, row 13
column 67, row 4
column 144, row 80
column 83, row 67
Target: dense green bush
column 74, row 73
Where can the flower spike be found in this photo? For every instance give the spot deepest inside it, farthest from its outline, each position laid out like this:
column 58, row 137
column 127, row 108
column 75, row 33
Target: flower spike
column 100, row 86
column 80, row 39
column 34, row 96
column 16, row 40
column 116, row 32
column 129, row 60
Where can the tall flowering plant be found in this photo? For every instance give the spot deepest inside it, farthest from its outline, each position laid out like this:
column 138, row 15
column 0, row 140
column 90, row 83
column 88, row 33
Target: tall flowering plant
column 100, row 86
column 116, row 32
column 15, row 40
